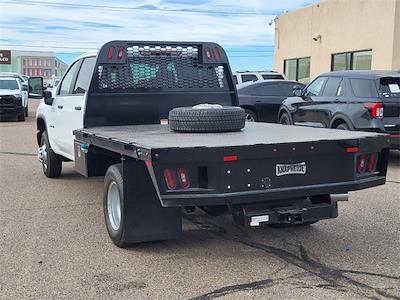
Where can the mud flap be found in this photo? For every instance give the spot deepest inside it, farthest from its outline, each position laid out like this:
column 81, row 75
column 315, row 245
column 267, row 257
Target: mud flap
column 145, row 218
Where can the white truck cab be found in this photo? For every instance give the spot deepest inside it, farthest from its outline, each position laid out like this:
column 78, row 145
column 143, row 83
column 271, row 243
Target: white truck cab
column 62, row 113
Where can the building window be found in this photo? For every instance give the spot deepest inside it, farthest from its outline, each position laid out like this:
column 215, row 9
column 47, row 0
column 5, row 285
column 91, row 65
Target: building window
column 355, row 60
column 297, row 69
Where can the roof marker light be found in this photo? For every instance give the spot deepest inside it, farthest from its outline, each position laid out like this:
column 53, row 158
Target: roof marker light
column 120, row 52
column 217, row 55
column 207, row 53
column 110, row 52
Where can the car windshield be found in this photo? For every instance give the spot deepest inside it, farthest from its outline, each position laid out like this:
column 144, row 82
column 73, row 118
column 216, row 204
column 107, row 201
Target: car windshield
column 9, row 84
column 389, row 87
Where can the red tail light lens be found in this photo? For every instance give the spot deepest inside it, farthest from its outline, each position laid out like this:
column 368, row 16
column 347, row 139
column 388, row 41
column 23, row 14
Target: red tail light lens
column 207, row 53
column 110, row 52
column 375, row 109
column 362, row 163
column 170, row 179
column 217, row 55
column 373, row 158
column 120, row 53
column 183, row 178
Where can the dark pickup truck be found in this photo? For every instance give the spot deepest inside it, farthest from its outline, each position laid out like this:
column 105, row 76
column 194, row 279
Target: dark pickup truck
column 264, row 173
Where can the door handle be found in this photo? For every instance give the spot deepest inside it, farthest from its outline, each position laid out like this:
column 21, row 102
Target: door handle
column 60, row 106
column 78, row 107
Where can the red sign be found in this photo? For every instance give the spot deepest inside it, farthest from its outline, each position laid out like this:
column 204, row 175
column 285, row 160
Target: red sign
column 5, row 57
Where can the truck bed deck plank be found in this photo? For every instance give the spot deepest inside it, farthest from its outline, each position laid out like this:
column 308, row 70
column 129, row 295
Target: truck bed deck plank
column 162, row 137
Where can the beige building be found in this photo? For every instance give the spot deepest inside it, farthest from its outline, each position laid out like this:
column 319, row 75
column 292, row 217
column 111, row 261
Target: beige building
column 338, row 35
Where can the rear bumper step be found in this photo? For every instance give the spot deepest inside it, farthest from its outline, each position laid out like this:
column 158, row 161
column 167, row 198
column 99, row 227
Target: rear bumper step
column 257, row 215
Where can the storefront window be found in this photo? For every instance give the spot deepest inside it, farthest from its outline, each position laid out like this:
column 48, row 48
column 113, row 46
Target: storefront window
column 298, row 69
column 356, row 60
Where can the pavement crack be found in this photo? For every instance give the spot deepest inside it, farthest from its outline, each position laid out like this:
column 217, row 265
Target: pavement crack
column 47, row 207
column 17, row 153
column 334, row 278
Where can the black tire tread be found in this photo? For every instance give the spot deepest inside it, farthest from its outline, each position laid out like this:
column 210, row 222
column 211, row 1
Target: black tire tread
column 226, row 119
column 54, row 162
column 114, row 173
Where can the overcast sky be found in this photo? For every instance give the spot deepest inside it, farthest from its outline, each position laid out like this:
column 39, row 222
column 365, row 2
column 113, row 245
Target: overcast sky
column 71, row 27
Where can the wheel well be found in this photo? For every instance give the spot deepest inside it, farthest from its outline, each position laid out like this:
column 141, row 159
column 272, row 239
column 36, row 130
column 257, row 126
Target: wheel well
column 281, row 112
column 41, row 127
column 250, row 108
column 337, row 122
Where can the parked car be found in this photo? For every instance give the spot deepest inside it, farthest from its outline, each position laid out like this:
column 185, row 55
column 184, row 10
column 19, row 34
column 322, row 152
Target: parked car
column 262, row 100
column 12, row 99
column 24, row 86
column 350, row 100
column 109, row 114
column 240, row 77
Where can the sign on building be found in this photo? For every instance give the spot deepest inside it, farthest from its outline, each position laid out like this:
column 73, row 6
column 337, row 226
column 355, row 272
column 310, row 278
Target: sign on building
column 5, row 57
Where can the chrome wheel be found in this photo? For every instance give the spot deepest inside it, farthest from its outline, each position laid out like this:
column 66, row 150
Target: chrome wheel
column 42, row 155
column 249, row 118
column 114, row 206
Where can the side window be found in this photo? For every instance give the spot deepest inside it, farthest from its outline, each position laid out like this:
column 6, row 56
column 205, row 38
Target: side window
column 249, row 77
column 84, row 75
column 315, row 88
column 363, row 87
column 267, row 90
column 67, row 80
column 332, row 86
column 267, row 76
column 234, row 77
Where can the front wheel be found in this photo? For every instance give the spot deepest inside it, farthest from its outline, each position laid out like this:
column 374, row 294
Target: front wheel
column 285, row 119
column 21, row 116
column 51, row 163
column 250, row 116
column 343, row 126
column 113, row 205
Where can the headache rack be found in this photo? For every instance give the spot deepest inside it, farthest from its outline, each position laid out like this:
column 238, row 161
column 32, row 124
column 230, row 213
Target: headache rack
column 145, row 66
column 138, row 82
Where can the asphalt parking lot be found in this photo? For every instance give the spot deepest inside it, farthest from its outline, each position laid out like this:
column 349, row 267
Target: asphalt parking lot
column 53, row 243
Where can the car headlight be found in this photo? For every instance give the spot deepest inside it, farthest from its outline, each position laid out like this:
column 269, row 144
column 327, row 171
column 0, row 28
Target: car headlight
column 18, row 96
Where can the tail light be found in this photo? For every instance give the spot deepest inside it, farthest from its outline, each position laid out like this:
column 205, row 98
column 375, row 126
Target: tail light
column 110, row 53
column 362, row 163
column 207, row 53
column 367, row 163
column 217, row 55
column 373, row 158
column 120, row 53
column 375, row 109
column 170, row 179
column 183, row 178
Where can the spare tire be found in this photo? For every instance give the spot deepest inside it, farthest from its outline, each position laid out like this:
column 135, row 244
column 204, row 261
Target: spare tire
column 207, row 118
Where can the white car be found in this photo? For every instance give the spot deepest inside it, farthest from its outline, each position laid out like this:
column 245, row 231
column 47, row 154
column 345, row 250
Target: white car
column 13, row 98
column 23, row 85
column 240, row 77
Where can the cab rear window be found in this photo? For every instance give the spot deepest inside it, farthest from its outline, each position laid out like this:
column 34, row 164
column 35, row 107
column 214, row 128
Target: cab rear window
column 389, row 87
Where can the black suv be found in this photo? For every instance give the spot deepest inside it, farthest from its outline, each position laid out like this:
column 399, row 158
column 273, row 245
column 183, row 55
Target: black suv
column 351, row 100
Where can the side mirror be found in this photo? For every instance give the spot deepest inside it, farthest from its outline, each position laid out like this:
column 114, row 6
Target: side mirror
column 48, row 97
column 298, row 92
column 24, row 87
column 35, row 87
